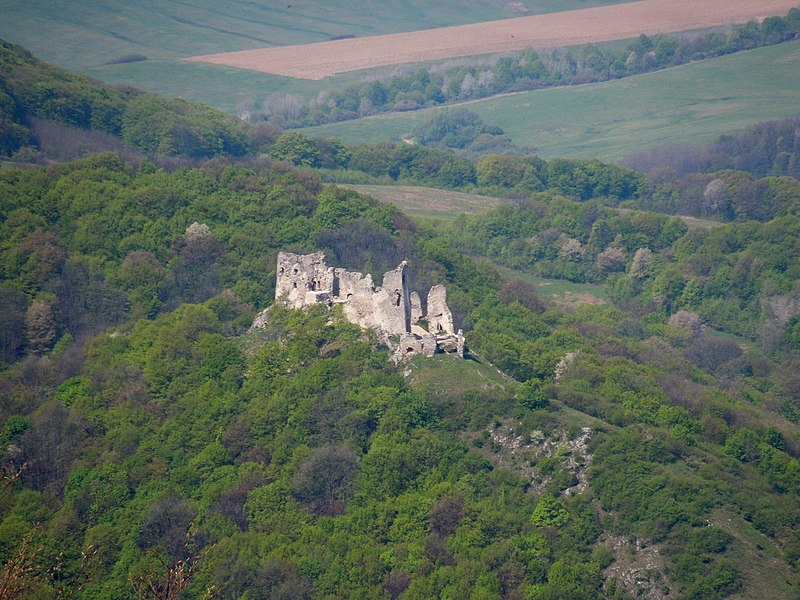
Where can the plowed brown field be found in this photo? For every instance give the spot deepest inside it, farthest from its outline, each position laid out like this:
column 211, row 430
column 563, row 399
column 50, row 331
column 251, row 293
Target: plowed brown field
column 591, row 25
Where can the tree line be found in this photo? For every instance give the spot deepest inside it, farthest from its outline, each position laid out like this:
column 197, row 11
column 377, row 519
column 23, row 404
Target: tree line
column 717, row 192
column 49, row 112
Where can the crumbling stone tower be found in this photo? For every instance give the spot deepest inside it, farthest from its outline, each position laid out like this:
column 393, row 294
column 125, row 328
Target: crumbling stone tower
column 304, row 280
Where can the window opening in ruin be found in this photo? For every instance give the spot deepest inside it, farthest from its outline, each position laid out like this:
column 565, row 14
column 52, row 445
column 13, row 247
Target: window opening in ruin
column 397, row 298
column 439, row 327
column 281, row 270
column 294, row 284
column 296, row 270
column 409, row 350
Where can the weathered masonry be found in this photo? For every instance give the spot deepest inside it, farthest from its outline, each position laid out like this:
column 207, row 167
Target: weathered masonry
column 304, row 280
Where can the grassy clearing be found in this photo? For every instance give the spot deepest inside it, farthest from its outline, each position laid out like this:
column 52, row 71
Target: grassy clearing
column 448, row 376
column 692, row 222
column 446, row 205
column 428, row 202
column 698, row 223
column 563, row 293
column 691, row 104
column 753, row 554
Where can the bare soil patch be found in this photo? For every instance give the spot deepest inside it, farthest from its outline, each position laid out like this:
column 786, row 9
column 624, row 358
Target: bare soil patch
column 591, row 25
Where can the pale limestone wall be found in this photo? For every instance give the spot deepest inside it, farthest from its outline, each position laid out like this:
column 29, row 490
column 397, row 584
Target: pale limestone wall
column 440, row 319
column 301, row 277
column 415, row 344
column 416, row 308
column 392, row 304
column 355, row 293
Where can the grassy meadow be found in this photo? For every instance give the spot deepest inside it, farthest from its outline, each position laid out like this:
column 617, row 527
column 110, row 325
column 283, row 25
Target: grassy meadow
column 86, row 34
column 448, row 376
column 691, row 104
column 428, row 202
column 233, row 90
column 563, row 293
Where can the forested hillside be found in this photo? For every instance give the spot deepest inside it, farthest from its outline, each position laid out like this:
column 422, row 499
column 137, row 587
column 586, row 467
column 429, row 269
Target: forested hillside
column 771, row 148
column 32, row 91
column 154, row 447
column 179, row 424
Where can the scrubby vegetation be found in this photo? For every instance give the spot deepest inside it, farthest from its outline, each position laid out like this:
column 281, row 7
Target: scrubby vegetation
column 153, row 447
column 176, row 444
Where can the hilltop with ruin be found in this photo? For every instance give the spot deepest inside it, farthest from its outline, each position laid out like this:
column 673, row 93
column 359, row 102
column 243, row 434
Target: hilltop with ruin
column 391, row 309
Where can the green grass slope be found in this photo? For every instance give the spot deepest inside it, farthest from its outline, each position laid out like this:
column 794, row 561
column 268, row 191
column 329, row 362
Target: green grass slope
column 429, row 202
column 692, row 104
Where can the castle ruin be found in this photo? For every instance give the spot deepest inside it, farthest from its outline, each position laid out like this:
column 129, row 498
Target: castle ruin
column 391, row 309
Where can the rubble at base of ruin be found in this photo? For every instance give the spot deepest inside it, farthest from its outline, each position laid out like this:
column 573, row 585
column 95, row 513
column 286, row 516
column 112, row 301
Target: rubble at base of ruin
column 391, row 309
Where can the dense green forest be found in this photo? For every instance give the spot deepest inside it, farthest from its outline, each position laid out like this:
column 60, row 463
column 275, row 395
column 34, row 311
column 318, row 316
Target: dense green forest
column 154, row 447
column 174, row 423
column 765, row 149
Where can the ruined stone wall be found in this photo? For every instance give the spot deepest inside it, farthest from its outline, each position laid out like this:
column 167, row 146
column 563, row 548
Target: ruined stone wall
column 416, row 308
column 305, row 279
column 355, row 293
column 440, row 319
column 392, row 303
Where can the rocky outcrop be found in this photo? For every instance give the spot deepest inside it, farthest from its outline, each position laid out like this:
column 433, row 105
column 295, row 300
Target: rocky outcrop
column 392, row 309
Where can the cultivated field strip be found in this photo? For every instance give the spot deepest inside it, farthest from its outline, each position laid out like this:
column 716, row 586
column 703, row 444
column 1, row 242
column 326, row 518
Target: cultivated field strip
column 591, row 25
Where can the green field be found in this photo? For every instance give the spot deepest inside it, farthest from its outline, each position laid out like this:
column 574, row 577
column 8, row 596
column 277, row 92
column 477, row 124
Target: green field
column 85, row 36
column 233, row 90
column 692, row 104
column 428, row 202
column 561, row 292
